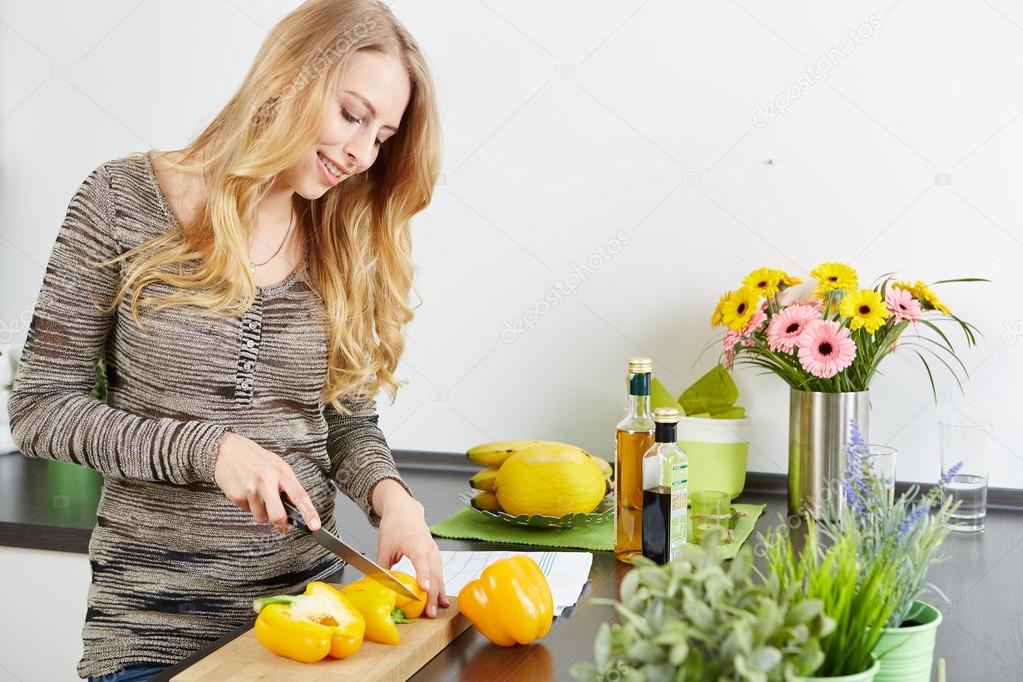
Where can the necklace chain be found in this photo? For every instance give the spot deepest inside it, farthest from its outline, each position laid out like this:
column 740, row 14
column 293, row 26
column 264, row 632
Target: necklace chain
column 253, row 265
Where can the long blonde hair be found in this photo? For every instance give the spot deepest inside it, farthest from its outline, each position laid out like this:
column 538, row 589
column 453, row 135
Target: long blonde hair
column 360, row 261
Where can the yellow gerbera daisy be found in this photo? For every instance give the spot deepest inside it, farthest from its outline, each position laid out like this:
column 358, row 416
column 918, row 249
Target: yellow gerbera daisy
column 716, row 317
column 833, row 276
column 865, row 309
column 738, row 307
column 923, row 293
column 768, row 281
column 788, row 280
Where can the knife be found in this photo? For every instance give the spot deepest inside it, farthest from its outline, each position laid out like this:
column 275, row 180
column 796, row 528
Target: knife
column 366, row 566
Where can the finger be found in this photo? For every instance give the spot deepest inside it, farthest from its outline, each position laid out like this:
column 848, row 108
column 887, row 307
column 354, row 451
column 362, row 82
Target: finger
column 384, row 554
column 438, row 573
column 274, row 507
column 430, row 586
column 300, row 498
column 256, row 507
column 242, row 503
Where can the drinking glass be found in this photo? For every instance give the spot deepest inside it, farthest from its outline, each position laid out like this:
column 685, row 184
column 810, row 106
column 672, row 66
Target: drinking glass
column 964, row 444
column 711, row 508
column 880, row 459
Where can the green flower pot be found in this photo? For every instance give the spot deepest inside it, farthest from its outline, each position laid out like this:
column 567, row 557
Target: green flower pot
column 906, row 653
column 865, row 676
column 718, row 450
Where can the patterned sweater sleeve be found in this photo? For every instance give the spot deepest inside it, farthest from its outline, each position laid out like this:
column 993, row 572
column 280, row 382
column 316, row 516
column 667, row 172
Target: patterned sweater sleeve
column 359, row 455
column 52, row 415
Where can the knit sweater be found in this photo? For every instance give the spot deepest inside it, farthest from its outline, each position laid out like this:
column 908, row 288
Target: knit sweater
column 175, row 564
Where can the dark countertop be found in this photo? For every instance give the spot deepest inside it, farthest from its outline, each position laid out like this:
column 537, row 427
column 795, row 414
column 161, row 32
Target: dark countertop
column 51, row 505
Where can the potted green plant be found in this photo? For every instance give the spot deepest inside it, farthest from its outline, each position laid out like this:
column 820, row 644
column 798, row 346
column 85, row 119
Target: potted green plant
column 914, row 534
column 696, row 619
column 853, row 596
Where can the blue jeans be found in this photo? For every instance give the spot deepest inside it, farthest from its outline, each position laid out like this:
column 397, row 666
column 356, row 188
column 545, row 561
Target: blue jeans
column 135, row 673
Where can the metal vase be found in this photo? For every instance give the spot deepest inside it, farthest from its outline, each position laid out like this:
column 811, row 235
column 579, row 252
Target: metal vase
column 818, row 435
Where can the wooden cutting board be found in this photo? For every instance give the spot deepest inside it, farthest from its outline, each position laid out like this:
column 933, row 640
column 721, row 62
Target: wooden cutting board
column 245, row 658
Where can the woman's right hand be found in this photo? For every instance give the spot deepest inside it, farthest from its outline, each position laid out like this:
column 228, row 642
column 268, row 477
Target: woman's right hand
column 253, row 478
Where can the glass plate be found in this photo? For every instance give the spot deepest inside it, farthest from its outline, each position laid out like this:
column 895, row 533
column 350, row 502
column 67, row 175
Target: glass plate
column 604, row 511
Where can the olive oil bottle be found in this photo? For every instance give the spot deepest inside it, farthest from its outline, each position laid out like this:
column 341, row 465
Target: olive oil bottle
column 665, row 489
column 634, row 436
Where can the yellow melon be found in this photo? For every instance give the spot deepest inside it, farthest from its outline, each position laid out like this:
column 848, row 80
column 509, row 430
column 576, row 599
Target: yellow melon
column 552, row 479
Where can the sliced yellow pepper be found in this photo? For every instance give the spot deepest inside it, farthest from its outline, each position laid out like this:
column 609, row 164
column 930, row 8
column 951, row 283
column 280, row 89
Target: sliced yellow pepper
column 310, row 626
column 412, row 608
column 511, row 601
column 378, row 605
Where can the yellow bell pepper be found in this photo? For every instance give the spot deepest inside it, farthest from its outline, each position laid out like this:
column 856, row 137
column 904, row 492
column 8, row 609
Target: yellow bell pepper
column 412, row 608
column 310, row 626
column 378, row 605
column 511, row 601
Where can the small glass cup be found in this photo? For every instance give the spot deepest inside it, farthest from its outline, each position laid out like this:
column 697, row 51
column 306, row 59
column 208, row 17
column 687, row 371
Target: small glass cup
column 964, row 445
column 880, row 459
column 711, row 509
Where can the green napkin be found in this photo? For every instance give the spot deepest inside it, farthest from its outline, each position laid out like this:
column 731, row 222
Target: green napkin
column 662, row 397
column 714, row 394
column 467, row 524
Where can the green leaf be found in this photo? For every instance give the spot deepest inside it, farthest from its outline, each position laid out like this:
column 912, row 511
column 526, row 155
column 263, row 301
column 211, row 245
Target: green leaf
column 602, row 645
column 584, row 671
column 713, row 392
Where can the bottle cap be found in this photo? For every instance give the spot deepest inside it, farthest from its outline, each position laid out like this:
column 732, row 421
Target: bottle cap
column 666, row 415
column 641, row 365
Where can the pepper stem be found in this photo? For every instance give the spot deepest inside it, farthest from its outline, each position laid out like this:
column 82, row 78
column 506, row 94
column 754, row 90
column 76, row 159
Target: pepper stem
column 258, row 604
column 398, row 616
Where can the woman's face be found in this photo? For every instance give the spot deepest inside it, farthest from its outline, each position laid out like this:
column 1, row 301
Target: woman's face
column 365, row 110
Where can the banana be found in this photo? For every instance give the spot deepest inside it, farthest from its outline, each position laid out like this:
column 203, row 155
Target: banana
column 494, row 453
column 484, row 479
column 486, row 501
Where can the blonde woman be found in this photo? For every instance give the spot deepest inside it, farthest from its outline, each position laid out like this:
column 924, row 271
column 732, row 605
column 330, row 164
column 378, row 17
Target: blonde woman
column 248, row 294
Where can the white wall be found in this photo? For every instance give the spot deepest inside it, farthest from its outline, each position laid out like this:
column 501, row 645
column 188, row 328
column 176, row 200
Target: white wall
column 573, row 127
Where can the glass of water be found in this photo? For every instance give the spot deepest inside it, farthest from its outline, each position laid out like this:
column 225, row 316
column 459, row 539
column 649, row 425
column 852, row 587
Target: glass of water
column 881, row 461
column 964, row 442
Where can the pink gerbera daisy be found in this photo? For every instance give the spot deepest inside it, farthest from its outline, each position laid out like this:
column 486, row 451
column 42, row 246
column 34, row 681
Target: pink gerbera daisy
column 825, row 348
column 788, row 324
column 903, row 306
column 755, row 323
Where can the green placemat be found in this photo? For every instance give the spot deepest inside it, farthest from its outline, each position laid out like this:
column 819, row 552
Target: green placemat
column 467, row 524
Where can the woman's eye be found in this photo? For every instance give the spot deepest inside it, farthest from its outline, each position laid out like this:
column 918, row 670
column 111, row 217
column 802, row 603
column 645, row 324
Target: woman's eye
column 348, row 117
column 352, row 119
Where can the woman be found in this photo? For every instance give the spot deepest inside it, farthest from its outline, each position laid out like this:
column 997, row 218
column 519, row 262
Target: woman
column 248, row 295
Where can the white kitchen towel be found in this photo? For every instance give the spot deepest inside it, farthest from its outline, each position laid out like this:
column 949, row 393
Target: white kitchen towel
column 566, row 572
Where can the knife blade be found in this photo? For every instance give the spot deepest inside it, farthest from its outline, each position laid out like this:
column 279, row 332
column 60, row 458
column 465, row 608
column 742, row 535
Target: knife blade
column 360, row 562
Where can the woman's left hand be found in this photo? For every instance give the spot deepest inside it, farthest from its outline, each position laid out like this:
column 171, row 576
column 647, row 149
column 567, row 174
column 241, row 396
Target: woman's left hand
column 403, row 532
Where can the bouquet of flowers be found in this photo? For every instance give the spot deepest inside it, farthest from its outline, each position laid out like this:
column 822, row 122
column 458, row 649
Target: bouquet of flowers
column 831, row 335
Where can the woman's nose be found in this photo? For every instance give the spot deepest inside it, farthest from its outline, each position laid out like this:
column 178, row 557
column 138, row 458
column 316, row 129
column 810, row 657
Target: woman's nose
column 359, row 149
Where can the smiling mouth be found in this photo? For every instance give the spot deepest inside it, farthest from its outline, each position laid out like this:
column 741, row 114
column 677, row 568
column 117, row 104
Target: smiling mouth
column 332, row 168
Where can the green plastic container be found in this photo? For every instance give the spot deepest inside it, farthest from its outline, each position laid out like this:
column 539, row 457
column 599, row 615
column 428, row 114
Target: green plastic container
column 906, row 653
column 718, row 450
column 865, row 676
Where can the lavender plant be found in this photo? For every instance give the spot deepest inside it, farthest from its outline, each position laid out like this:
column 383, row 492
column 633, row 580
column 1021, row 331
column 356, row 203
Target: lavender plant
column 905, row 532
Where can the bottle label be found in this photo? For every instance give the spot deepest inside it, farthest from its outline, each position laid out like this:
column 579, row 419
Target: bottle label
column 678, row 522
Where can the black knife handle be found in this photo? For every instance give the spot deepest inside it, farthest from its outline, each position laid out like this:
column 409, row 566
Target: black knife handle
column 294, row 515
